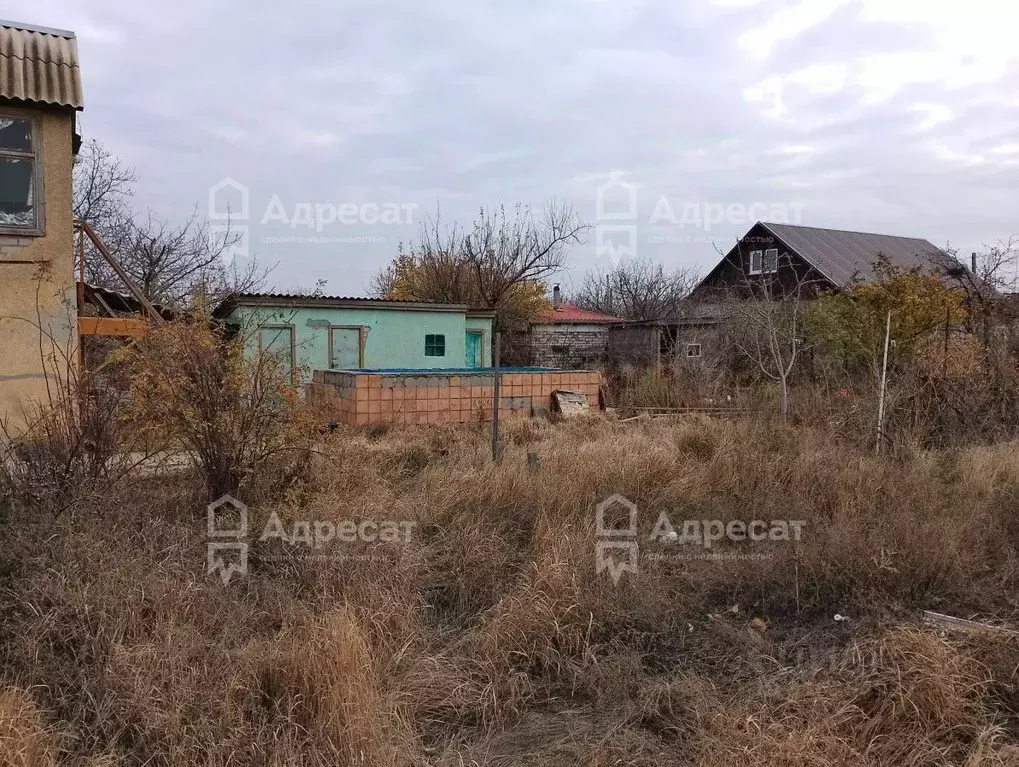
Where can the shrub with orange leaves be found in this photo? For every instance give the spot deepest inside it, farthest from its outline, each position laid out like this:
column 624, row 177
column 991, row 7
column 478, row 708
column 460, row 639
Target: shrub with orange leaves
column 230, row 406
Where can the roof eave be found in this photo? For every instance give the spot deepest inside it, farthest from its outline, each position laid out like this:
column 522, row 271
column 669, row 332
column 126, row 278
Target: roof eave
column 324, row 302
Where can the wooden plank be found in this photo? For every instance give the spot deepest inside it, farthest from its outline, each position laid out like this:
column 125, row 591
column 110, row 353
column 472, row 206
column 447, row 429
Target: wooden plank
column 961, row 624
column 113, row 326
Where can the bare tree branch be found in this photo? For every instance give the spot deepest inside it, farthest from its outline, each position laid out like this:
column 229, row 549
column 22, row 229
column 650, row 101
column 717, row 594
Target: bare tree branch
column 637, row 290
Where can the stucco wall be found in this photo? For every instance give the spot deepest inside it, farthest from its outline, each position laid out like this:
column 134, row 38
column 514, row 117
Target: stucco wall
column 393, row 338
column 38, row 313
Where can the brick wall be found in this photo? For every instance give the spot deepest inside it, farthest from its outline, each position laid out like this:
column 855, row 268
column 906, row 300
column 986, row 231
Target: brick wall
column 363, row 398
column 12, row 248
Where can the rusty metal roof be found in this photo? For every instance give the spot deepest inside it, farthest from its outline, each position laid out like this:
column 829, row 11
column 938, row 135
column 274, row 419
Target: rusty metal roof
column 569, row 314
column 39, row 65
column 843, row 256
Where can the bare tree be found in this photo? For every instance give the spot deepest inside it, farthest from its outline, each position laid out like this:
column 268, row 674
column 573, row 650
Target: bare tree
column 637, row 290
column 170, row 262
column 986, row 279
column 498, row 263
column 766, row 321
column 103, row 187
column 505, row 250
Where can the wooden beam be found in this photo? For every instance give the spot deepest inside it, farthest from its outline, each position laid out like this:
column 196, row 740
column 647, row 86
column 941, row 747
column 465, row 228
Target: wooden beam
column 127, row 327
column 124, row 276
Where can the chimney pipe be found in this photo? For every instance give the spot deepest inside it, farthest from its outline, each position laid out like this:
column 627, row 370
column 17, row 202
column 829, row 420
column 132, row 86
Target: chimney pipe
column 973, row 262
column 556, row 297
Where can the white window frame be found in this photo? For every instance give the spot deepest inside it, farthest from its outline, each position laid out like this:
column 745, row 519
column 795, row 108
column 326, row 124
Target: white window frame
column 36, row 157
column 759, row 255
column 690, row 347
column 769, row 253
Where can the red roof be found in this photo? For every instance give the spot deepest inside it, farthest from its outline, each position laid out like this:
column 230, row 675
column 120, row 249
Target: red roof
column 569, row 314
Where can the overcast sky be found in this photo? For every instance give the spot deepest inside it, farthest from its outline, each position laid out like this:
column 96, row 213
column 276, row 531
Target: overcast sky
column 896, row 116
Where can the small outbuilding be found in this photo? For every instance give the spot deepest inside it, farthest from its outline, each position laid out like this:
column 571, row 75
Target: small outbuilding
column 345, row 333
column 569, row 337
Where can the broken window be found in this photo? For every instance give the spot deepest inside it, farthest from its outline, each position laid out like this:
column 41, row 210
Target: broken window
column 435, row 345
column 17, row 175
column 764, row 261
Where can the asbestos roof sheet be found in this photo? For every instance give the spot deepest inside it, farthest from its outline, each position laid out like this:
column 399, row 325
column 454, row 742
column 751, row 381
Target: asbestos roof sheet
column 39, row 65
column 293, row 300
column 842, row 256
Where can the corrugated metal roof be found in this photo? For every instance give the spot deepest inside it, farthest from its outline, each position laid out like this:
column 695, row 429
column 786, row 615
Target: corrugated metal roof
column 569, row 314
column 39, row 65
column 840, row 255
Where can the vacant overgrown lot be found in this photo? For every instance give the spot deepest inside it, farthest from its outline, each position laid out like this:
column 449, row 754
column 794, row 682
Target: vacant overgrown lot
column 489, row 637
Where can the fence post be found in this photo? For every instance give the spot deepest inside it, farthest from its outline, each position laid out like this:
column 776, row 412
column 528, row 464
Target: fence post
column 496, row 391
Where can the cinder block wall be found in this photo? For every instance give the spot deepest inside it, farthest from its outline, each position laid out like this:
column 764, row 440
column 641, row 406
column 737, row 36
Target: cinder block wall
column 569, row 346
column 359, row 399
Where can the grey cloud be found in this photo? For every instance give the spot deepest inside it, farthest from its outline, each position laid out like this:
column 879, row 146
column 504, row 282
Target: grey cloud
column 458, row 104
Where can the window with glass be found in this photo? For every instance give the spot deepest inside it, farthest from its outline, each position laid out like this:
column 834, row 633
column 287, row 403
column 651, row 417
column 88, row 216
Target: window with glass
column 435, row 345
column 764, row 261
column 19, row 209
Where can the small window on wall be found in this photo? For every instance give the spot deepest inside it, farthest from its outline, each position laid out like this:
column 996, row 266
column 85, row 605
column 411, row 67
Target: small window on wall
column 435, row 345
column 693, row 350
column 19, row 208
column 764, row 261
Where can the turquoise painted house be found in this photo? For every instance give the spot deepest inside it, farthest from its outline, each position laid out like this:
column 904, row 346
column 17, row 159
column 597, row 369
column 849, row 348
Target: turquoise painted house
column 341, row 333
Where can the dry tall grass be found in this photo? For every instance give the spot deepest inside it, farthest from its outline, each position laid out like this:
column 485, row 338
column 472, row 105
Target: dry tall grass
column 489, row 637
